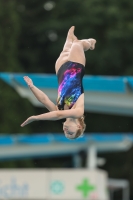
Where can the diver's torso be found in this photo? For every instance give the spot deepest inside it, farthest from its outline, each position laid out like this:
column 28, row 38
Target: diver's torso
column 70, row 76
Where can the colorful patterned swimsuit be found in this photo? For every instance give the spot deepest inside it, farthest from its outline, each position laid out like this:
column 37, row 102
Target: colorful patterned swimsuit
column 70, row 87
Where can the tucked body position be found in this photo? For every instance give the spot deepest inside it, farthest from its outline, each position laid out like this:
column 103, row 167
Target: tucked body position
column 70, row 69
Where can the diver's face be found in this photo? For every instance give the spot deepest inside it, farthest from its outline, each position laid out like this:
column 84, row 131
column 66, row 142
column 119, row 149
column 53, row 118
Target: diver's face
column 70, row 128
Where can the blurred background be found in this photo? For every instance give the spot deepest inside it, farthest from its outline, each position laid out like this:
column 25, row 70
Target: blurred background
column 32, row 34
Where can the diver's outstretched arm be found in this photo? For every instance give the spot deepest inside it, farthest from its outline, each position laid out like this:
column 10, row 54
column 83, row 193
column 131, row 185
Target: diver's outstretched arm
column 56, row 115
column 41, row 96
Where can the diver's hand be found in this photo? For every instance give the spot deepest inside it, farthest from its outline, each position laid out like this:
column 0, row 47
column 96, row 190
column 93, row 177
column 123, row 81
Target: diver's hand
column 29, row 120
column 28, row 81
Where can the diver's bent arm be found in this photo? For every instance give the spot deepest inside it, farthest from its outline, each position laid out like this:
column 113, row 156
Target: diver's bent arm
column 47, row 116
column 57, row 115
column 43, row 98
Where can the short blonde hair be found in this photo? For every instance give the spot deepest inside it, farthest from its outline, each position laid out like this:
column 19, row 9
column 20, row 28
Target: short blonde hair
column 81, row 130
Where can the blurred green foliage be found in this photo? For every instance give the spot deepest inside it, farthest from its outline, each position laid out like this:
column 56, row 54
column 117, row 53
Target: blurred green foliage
column 31, row 39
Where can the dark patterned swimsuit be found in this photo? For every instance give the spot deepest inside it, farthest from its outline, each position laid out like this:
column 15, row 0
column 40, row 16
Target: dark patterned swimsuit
column 70, row 87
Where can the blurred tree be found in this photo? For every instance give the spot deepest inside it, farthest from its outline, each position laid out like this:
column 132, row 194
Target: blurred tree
column 9, row 31
column 12, row 108
column 43, row 33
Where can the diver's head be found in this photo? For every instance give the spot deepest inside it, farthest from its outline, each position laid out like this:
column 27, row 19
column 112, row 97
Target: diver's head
column 74, row 128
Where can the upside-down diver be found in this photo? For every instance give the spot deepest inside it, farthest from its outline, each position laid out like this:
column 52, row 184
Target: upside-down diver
column 70, row 69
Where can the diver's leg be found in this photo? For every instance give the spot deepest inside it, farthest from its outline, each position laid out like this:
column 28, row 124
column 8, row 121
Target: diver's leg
column 66, row 49
column 77, row 50
column 69, row 40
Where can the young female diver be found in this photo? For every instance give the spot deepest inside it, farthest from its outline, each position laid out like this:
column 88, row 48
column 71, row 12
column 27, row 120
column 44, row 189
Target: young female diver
column 69, row 67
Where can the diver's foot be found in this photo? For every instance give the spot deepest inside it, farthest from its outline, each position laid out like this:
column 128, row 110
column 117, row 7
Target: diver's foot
column 88, row 44
column 92, row 43
column 70, row 34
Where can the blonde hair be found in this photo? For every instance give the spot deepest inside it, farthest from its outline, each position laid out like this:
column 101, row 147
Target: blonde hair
column 81, row 130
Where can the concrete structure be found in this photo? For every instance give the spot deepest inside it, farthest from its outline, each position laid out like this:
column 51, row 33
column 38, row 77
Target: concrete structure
column 103, row 94
column 49, row 145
